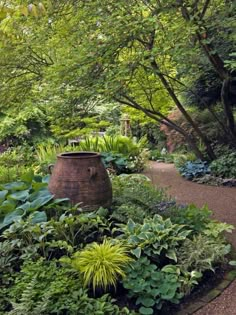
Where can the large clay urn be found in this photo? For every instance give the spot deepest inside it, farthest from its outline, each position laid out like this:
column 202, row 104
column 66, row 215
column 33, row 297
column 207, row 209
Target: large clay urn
column 82, row 177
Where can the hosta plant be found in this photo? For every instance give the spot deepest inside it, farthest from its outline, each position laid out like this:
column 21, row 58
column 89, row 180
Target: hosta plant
column 157, row 238
column 152, row 286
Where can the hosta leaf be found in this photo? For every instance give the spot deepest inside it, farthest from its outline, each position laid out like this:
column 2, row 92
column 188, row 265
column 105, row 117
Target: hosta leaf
column 7, row 206
column 136, row 252
column 38, row 217
column 19, row 195
column 16, row 186
column 170, row 269
column 171, row 255
column 11, row 217
column 39, row 202
column 147, row 302
column 145, row 310
column 3, row 194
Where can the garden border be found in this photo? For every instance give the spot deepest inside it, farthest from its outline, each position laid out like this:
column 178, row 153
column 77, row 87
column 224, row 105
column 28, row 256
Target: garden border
column 202, row 301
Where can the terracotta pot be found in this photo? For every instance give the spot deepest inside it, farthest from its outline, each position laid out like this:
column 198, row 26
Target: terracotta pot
column 82, row 177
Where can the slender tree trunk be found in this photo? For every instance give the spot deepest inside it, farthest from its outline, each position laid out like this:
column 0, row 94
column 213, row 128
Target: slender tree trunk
column 218, row 65
column 172, row 94
column 165, row 121
column 226, row 103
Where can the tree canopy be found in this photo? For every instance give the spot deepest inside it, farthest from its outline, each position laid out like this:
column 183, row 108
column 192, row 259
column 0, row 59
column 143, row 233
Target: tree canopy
column 62, row 55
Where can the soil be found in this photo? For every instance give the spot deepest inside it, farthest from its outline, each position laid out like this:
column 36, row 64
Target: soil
column 221, row 200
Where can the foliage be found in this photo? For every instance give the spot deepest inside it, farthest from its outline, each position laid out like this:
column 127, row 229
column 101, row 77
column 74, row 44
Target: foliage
column 194, row 169
column 126, row 211
column 181, row 159
column 224, row 166
column 47, row 288
column 157, row 238
column 150, row 286
column 202, row 253
column 119, row 154
column 12, row 173
column 21, row 198
column 17, row 156
column 56, row 237
column 115, row 163
column 101, row 264
column 190, row 216
column 137, row 190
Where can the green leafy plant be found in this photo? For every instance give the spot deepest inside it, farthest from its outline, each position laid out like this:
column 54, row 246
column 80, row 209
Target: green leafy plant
column 191, row 170
column 157, row 238
column 129, row 211
column 151, row 286
column 19, row 199
column 115, row 162
column 202, row 253
column 45, row 288
column 224, row 166
column 101, row 264
column 191, row 216
column 137, row 190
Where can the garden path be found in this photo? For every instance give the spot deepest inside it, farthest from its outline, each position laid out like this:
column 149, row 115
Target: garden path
column 221, row 200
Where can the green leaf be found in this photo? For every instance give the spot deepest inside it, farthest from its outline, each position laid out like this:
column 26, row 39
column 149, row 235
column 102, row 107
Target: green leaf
column 145, row 310
column 11, row 217
column 147, row 302
column 171, row 254
column 232, row 263
column 39, row 202
column 16, row 186
column 7, row 206
column 28, row 177
column 136, row 252
column 3, row 194
column 38, row 217
column 131, row 225
column 19, row 195
column 170, row 269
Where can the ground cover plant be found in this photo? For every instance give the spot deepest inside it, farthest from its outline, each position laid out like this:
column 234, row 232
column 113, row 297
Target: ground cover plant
column 130, row 259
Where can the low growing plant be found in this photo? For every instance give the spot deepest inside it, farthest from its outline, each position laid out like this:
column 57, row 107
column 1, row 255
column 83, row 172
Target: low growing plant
column 202, row 253
column 224, row 166
column 157, row 238
column 101, row 264
column 195, row 169
column 151, row 286
column 194, row 218
column 46, row 288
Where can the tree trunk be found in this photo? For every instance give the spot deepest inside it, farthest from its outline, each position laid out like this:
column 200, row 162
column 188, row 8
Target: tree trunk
column 228, row 108
column 172, row 94
column 163, row 120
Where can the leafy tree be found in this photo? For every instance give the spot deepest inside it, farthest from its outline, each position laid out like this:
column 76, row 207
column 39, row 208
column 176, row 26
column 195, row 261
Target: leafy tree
column 137, row 53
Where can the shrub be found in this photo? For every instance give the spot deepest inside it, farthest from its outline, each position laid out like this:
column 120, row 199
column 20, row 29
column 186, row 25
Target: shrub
column 191, row 170
column 225, row 166
column 101, row 264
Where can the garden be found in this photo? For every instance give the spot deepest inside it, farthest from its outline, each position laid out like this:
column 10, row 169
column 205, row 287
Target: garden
column 92, row 93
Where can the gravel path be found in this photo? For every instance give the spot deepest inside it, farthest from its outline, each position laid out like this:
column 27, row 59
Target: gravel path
column 221, row 200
